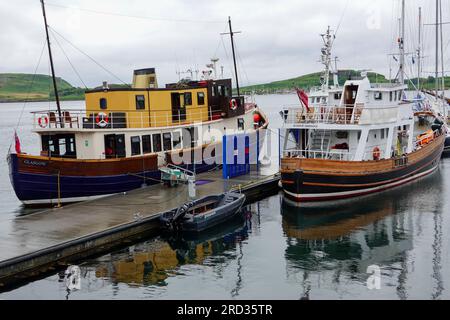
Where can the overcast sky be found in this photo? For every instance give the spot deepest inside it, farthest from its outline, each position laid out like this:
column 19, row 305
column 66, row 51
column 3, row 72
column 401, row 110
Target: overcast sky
column 279, row 39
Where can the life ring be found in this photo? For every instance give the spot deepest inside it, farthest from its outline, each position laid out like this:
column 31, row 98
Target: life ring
column 233, row 104
column 43, row 121
column 376, row 153
column 102, row 120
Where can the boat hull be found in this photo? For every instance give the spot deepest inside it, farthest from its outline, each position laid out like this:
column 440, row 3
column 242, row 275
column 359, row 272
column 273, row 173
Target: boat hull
column 210, row 219
column 41, row 180
column 346, row 179
column 447, row 145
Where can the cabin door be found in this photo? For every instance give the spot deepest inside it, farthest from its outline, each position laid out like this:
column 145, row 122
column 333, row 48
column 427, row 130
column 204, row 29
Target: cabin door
column 178, row 110
column 115, row 146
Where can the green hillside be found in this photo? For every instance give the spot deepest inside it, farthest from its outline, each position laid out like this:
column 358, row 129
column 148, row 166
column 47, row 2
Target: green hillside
column 308, row 81
column 16, row 86
column 313, row 80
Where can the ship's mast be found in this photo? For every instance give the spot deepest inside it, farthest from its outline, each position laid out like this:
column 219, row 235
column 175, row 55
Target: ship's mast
column 437, row 50
column 442, row 50
column 402, row 46
column 419, row 51
column 234, row 56
column 51, row 61
column 326, row 58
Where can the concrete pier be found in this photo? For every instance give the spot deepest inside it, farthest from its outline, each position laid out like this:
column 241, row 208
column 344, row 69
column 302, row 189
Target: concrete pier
column 60, row 236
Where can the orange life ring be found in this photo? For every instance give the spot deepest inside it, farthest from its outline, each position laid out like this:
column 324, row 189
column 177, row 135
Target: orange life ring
column 376, row 153
column 43, row 121
column 233, row 104
column 102, row 120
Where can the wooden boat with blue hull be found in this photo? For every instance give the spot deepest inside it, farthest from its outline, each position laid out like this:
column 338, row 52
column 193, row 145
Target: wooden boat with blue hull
column 124, row 135
column 204, row 213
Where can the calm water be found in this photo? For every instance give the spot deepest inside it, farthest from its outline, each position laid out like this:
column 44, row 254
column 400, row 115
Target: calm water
column 276, row 250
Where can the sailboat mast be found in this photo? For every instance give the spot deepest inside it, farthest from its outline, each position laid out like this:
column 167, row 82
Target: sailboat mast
column 437, row 50
column 234, row 57
column 442, row 50
column 402, row 46
column 419, row 50
column 51, row 61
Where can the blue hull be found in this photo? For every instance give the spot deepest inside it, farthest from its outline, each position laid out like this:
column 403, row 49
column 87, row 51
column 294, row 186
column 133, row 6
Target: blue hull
column 42, row 188
column 35, row 188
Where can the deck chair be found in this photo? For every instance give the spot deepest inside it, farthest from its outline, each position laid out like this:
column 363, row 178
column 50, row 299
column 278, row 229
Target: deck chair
column 52, row 119
column 68, row 119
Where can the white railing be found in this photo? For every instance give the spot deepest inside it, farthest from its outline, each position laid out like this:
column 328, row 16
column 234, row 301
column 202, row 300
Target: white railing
column 332, row 154
column 344, row 114
column 80, row 119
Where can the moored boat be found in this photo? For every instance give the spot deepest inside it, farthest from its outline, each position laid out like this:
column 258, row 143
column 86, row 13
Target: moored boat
column 124, row 135
column 203, row 213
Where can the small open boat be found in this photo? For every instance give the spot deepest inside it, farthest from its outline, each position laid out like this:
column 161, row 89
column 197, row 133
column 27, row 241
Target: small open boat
column 204, row 213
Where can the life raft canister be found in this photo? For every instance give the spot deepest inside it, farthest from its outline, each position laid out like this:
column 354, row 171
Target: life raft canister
column 233, row 104
column 43, row 121
column 376, row 153
column 102, row 120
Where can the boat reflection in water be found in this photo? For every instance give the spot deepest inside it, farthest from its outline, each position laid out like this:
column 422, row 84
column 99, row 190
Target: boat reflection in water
column 152, row 262
column 338, row 242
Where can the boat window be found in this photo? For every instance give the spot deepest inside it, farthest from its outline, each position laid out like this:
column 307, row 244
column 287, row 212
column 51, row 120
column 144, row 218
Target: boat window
column 382, row 134
column 103, row 103
column 135, row 145
column 221, row 90
column 167, row 141
column 337, row 96
column 378, row 96
column 59, row 145
column 188, row 99
column 200, row 98
column 240, row 123
column 227, row 91
column 214, row 91
column 390, row 96
column 359, row 135
column 156, row 139
column 176, row 140
column 146, row 144
column 140, row 102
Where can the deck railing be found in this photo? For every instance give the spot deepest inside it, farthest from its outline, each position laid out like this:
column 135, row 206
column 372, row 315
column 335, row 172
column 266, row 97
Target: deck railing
column 80, row 119
column 332, row 154
column 344, row 114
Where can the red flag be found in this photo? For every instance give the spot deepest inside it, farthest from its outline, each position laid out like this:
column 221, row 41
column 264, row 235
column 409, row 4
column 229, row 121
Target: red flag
column 303, row 98
column 16, row 138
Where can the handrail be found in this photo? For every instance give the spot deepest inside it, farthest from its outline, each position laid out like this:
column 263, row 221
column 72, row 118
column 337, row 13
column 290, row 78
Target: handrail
column 119, row 119
column 343, row 114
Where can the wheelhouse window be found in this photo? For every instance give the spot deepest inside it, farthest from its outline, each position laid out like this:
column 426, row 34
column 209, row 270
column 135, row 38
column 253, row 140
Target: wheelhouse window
column 390, row 96
column 103, row 103
column 378, row 96
column 176, row 140
column 167, row 141
column 200, row 98
column 140, row 102
column 146, row 144
column 156, row 139
column 337, row 96
column 59, row 145
column 240, row 123
column 188, row 99
column 135, row 145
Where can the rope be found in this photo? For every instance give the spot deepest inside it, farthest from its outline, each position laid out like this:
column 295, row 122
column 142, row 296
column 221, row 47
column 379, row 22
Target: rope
column 28, row 93
column 73, row 67
column 88, row 56
column 133, row 16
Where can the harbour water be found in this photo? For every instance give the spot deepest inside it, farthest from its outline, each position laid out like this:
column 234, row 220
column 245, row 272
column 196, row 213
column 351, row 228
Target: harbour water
column 277, row 250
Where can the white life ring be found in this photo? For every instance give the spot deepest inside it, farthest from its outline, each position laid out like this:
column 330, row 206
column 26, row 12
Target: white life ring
column 43, row 121
column 233, row 104
column 102, row 120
